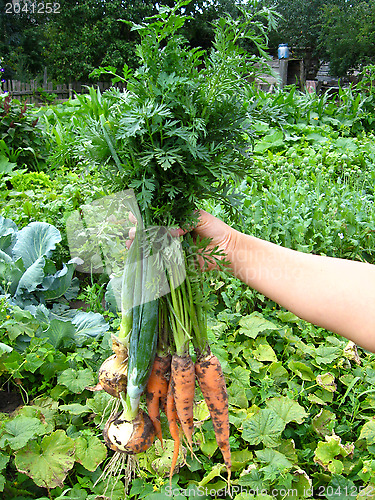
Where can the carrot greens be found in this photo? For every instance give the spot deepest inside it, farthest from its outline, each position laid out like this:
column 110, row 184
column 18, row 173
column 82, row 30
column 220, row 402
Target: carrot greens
column 180, row 128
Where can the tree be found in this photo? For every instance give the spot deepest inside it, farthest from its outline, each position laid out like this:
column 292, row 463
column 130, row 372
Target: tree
column 20, row 42
column 347, row 37
column 88, row 34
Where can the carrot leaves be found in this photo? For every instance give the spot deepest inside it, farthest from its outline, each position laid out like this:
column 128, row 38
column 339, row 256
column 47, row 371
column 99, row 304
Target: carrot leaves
column 180, row 129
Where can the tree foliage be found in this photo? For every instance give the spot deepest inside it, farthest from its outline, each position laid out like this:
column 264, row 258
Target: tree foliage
column 337, row 31
column 87, row 34
column 348, row 34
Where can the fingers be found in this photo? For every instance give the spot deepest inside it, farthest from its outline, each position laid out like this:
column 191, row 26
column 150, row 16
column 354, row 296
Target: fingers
column 132, row 218
column 132, row 233
column 174, row 232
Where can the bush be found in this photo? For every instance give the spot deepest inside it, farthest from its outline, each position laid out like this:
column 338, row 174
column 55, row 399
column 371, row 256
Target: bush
column 21, row 140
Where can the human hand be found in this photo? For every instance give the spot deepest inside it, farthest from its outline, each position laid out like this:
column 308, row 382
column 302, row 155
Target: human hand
column 221, row 236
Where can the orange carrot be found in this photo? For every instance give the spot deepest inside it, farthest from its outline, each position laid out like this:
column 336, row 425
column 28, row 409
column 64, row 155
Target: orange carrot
column 156, row 390
column 183, row 385
column 171, row 413
column 212, row 383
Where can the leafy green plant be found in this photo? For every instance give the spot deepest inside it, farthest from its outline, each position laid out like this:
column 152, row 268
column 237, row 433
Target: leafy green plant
column 19, row 128
column 30, row 282
column 170, row 118
column 183, row 112
column 300, row 399
column 28, row 274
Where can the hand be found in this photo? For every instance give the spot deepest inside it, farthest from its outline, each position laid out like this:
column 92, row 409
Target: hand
column 175, row 232
column 221, row 235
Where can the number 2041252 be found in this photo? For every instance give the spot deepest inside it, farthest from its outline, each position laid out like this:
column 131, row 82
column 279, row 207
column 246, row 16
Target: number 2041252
column 32, row 8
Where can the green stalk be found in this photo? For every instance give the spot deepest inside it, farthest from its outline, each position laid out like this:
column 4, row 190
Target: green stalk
column 127, row 292
column 199, row 323
column 129, row 278
column 144, row 332
column 179, row 328
column 164, row 329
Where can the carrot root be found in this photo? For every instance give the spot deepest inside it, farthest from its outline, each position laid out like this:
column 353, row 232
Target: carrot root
column 172, row 417
column 212, row 383
column 183, row 386
column 156, row 391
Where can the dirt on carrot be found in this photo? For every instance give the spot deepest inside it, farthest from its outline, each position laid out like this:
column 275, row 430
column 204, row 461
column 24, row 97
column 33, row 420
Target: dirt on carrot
column 183, row 385
column 172, row 418
column 212, row 383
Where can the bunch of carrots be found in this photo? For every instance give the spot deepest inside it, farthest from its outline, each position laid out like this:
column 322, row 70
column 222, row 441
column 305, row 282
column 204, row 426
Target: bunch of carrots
column 159, row 346
column 171, row 388
column 178, row 135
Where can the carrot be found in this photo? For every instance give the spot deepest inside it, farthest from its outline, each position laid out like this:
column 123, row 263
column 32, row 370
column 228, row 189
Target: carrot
column 183, row 385
column 156, row 390
column 212, row 383
column 171, row 413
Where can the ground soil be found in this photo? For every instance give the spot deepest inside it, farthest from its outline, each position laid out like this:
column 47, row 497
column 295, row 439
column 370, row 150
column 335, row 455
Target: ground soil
column 10, row 401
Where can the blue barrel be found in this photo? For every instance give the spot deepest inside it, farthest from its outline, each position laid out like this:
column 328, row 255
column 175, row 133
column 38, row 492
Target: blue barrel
column 283, row 51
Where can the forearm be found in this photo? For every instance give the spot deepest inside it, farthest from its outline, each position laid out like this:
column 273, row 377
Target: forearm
column 336, row 294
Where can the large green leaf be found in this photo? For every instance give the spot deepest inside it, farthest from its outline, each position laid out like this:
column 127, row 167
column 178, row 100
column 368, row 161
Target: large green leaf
column 4, row 459
column 60, row 332
column 263, row 351
column 162, row 459
column 75, row 409
column 368, row 431
column 76, row 381
column 89, row 324
column 327, row 381
column 302, row 370
column 7, row 230
column 325, row 355
column 20, row 430
column 5, row 348
column 273, row 457
column 342, row 488
column 328, row 452
column 38, row 239
column 255, row 323
column 254, row 480
column 76, row 493
column 48, row 463
column 287, row 409
column 10, row 271
column 324, row 422
column 90, row 452
column 32, row 277
column 272, row 140
column 56, row 285
column 263, row 427
column 21, row 322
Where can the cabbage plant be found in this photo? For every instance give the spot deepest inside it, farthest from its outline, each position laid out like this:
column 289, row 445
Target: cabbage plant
column 29, row 280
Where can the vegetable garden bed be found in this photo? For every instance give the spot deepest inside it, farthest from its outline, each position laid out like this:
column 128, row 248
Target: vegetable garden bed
column 300, row 399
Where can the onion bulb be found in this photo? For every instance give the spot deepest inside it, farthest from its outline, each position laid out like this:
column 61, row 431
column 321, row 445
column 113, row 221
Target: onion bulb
column 114, row 370
column 113, row 376
column 129, row 437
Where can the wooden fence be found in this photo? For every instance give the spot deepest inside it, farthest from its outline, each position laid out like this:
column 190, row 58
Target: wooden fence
column 38, row 93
